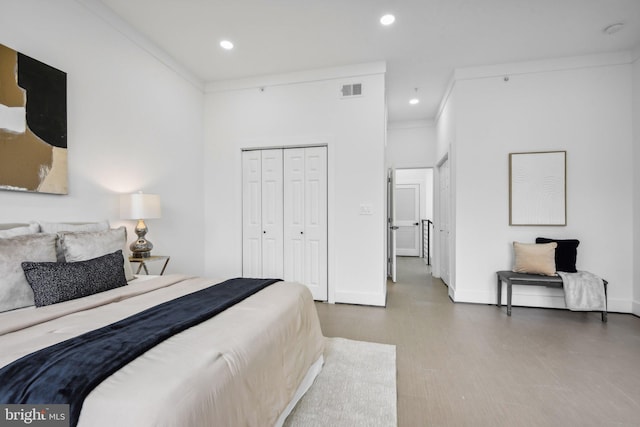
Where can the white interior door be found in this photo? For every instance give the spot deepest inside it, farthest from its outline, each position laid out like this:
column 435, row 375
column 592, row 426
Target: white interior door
column 391, row 226
column 294, row 221
column 305, row 218
column 315, row 222
column 251, row 214
column 443, row 227
column 272, row 214
column 407, row 219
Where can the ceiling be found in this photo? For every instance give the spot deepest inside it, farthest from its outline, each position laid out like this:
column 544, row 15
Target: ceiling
column 429, row 39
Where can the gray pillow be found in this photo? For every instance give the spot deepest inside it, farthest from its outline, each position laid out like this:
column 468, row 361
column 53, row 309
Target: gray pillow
column 82, row 246
column 15, row 292
column 21, row 230
column 54, row 282
column 58, row 227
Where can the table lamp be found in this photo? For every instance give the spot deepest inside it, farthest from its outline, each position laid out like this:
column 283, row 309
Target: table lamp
column 140, row 206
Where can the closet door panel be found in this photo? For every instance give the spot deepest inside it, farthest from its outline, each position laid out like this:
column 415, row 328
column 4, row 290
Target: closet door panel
column 252, row 214
column 272, row 214
column 294, row 183
column 315, row 227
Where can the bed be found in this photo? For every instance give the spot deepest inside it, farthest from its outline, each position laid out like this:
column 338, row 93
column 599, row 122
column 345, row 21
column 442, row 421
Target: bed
column 246, row 366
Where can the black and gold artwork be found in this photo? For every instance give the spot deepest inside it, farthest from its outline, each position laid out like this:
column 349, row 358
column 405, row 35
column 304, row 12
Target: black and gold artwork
column 33, row 125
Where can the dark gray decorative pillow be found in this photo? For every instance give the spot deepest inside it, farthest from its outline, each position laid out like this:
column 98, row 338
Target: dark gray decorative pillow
column 54, row 282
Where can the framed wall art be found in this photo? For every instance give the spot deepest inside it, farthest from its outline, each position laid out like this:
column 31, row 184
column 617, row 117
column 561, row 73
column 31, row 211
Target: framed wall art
column 33, row 125
column 538, row 188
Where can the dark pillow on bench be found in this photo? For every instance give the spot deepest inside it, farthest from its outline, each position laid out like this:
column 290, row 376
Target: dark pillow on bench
column 566, row 253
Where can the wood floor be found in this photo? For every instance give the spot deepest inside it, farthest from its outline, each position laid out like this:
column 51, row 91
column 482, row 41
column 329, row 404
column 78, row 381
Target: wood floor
column 471, row 365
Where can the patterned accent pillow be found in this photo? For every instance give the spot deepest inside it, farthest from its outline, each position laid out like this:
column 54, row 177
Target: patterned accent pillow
column 54, row 282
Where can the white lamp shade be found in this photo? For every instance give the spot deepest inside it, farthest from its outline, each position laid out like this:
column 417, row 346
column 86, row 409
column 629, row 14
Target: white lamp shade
column 140, row 206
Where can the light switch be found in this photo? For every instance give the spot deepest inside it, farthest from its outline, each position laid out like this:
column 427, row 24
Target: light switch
column 365, row 209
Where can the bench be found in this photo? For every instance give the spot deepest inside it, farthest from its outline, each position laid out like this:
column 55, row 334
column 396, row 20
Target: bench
column 511, row 278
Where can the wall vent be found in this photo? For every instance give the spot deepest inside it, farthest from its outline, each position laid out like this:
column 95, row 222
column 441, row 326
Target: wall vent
column 351, row 90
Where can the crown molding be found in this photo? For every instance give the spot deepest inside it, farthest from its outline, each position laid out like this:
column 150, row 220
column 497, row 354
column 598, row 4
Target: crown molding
column 103, row 12
column 321, row 74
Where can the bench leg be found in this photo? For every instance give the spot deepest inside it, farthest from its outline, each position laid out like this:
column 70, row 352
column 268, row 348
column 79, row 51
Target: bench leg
column 499, row 293
column 508, row 297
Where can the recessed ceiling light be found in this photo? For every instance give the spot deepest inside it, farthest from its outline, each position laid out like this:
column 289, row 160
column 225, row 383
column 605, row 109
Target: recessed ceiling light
column 226, row 44
column 613, row 28
column 415, row 100
column 387, row 19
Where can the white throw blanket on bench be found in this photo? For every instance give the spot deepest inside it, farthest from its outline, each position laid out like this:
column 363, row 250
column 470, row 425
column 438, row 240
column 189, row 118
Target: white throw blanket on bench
column 583, row 291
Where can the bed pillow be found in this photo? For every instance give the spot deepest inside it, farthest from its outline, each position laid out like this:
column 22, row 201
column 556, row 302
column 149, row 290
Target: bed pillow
column 15, row 292
column 82, row 246
column 566, row 253
column 54, row 282
column 535, row 258
column 21, row 230
column 58, row 227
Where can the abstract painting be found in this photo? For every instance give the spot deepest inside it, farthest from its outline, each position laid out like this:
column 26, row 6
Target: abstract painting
column 33, row 125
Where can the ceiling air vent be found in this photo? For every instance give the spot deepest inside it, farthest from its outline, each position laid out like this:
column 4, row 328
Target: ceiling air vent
column 351, row 90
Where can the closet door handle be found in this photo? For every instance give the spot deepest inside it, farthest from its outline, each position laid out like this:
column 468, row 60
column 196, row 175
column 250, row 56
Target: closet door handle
column 264, row 231
column 302, row 232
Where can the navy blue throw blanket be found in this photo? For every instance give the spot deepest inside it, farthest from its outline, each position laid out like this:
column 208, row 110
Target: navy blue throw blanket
column 68, row 371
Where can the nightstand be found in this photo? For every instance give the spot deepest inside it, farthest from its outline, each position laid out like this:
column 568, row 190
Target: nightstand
column 142, row 262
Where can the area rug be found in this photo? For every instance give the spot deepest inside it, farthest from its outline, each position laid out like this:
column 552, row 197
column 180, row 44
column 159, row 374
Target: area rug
column 357, row 387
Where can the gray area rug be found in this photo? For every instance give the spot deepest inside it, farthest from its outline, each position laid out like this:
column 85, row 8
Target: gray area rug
column 357, row 387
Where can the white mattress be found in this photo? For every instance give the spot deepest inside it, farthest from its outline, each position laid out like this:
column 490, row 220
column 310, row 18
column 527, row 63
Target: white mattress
column 241, row 368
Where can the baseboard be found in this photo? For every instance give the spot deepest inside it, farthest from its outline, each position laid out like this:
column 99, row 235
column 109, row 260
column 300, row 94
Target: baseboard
column 361, row 298
column 527, row 297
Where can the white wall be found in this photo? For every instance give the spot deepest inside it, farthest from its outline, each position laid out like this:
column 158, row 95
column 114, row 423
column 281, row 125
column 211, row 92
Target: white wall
column 240, row 115
column 636, row 185
column 133, row 124
column 581, row 105
column 410, row 144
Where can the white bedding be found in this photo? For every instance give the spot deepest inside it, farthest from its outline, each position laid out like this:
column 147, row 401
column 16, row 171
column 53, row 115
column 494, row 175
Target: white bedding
column 240, row 368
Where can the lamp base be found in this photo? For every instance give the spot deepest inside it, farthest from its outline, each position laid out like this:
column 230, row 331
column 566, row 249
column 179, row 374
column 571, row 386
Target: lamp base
column 141, row 254
column 141, row 248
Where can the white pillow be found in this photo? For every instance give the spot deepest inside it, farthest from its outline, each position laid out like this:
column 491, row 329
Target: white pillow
column 32, row 228
column 15, row 291
column 58, row 227
column 85, row 245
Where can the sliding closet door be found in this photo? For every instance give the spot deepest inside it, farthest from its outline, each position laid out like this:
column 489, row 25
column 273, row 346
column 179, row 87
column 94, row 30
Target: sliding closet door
column 272, row 207
column 252, row 214
column 305, row 218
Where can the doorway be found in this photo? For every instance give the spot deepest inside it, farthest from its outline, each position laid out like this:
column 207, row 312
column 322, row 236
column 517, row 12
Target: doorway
column 412, row 208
